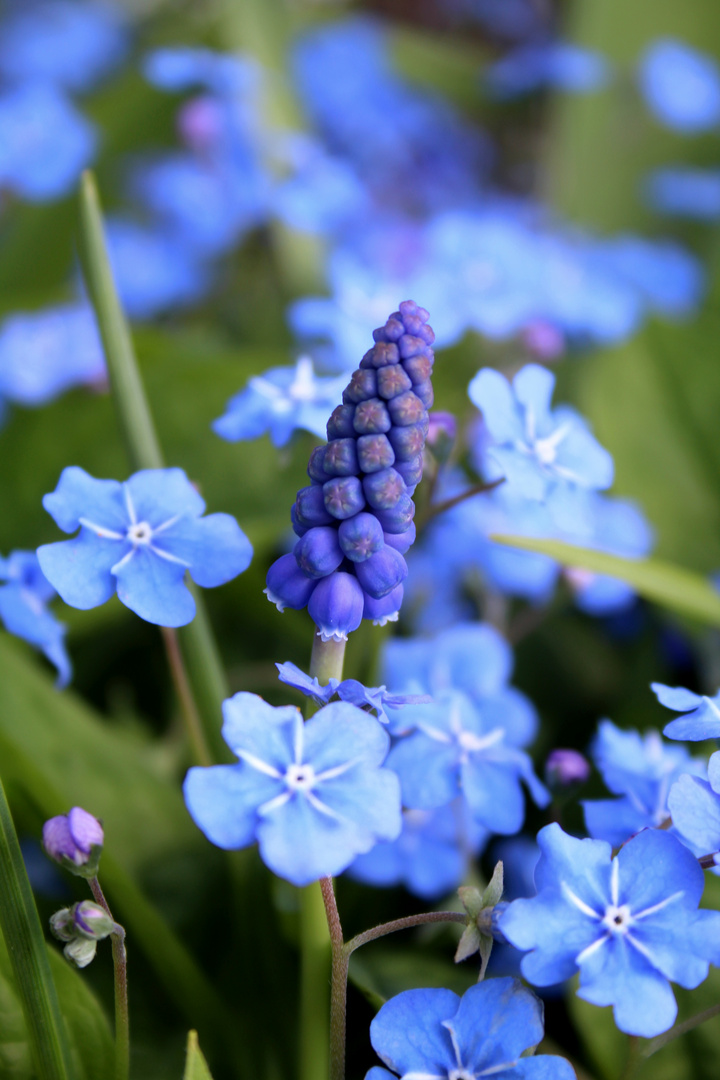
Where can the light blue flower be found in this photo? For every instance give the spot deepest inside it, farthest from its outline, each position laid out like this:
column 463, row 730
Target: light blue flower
column 681, row 86
column 23, row 610
column 375, row 698
column 314, row 795
column 555, row 65
column 430, row 857
column 684, row 191
column 668, row 278
column 139, row 538
column 185, row 67
column 539, row 451
column 43, row 353
column 640, row 769
column 45, row 143
column 434, row 1033
column 702, row 713
column 695, row 807
column 281, row 401
column 629, row 924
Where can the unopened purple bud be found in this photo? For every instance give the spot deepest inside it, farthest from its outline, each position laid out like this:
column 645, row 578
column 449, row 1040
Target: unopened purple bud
column 543, row 340
column 406, row 409
column 371, row 416
column 384, row 610
column 392, row 381
column 287, row 586
column 340, row 424
column 384, row 353
column 411, row 472
column 393, row 329
column 419, row 368
column 425, row 392
column 298, row 528
column 362, row 385
column 413, row 315
column 92, row 921
column 75, row 840
column 410, row 346
column 407, row 442
column 316, row 467
column 310, row 506
column 399, row 518
column 566, row 767
column 442, row 428
column 200, row 123
column 383, row 489
column 336, row 606
column 318, row 552
column 343, row 497
column 379, row 574
column 374, row 453
column 360, row 537
column 403, row 541
column 341, row 458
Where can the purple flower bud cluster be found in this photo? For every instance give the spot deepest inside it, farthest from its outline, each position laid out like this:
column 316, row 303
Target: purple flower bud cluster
column 355, row 518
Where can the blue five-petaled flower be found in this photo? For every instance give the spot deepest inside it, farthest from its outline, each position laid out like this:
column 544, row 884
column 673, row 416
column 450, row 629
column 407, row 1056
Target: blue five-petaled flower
column 314, row 795
column 139, row 537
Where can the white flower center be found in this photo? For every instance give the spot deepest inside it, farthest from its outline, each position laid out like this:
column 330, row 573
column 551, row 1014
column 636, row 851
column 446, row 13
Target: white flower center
column 618, row 920
column 461, row 1074
column 300, row 777
column 140, row 533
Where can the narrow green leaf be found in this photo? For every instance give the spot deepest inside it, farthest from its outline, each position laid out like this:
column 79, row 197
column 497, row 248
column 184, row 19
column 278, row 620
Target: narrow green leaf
column 195, row 1064
column 20, row 925
column 671, row 586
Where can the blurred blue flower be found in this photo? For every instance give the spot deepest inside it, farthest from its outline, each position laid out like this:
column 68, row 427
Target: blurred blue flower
column 702, row 713
column 684, row 191
column 313, row 795
column 45, row 143
column 281, row 401
column 424, row 1033
column 510, row 19
column 431, row 855
column 695, row 807
column 43, row 353
column 540, row 452
column 182, row 68
column 139, row 538
column 23, row 610
column 376, row 698
column 61, row 41
column 555, row 65
column 669, row 279
column 154, row 270
column 641, row 769
column 323, row 193
column 680, row 85
column 629, row 924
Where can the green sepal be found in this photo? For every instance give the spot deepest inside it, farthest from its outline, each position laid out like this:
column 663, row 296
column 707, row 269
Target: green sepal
column 468, row 944
column 195, row 1064
column 87, row 869
column 485, row 948
column 493, row 893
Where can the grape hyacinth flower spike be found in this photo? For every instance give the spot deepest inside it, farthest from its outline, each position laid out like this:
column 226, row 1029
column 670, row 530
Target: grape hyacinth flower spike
column 354, row 519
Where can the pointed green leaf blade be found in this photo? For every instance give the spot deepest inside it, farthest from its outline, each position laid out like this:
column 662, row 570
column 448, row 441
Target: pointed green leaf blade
column 195, row 1064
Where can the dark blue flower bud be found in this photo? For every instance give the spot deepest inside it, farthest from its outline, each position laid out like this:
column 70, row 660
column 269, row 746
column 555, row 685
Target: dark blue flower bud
column 411, row 471
column 384, row 610
column 383, row 489
column 298, row 528
column 361, row 536
column 340, row 424
column 316, row 468
column 405, row 409
column 287, row 586
column 381, row 572
column 392, row 381
column 336, row 606
column 407, row 442
column 413, row 316
column 371, row 416
column 384, row 353
column 310, row 507
column 418, row 368
column 374, row 453
column 318, row 552
column 362, row 385
column 425, row 392
column 409, row 346
column 343, row 497
column 399, row 518
column 403, row 541
column 393, row 329
column 341, row 458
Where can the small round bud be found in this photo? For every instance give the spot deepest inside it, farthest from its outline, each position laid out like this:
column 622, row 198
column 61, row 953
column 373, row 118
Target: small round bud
column 310, row 506
column 75, row 840
column 316, row 466
column 287, row 586
column 362, row 385
column 564, row 768
column 403, row 541
column 62, row 924
column 318, row 552
column 384, row 610
column 371, row 416
column 374, row 453
column 336, row 606
column 411, row 471
column 425, row 392
column 392, row 381
column 419, row 368
column 399, row 518
column 340, row 424
column 385, row 353
column 297, row 528
column 407, row 442
column 341, row 458
column 379, row 574
column 343, row 497
column 80, row 951
column 360, row 537
column 383, row 489
column 92, row 921
column 405, row 409
column 393, row 329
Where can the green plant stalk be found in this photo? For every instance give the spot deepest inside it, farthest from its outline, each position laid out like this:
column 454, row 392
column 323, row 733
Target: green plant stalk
column 199, row 651
column 122, row 1017
column 315, row 942
column 20, row 925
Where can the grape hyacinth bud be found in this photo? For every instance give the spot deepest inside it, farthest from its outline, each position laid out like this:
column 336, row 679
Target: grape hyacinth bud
column 74, row 840
column 355, row 519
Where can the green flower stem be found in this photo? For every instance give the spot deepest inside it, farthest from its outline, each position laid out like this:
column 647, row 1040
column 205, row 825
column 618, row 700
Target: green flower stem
column 201, row 754
column 20, row 926
column 692, row 1022
column 316, row 952
column 402, row 924
column 338, row 987
column 122, row 1019
column 204, row 680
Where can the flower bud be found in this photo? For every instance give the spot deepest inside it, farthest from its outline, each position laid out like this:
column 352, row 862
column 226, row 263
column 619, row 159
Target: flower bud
column 341, row 458
column 80, row 951
column 360, row 537
column 318, row 553
column 381, row 572
column 374, row 453
column 74, row 840
column 336, row 606
column 564, row 768
column 399, row 519
column 92, row 921
column 403, row 541
column 310, row 507
column 384, row 610
column 362, row 385
column 371, row 417
column 343, row 497
column 287, row 586
column 340, row 424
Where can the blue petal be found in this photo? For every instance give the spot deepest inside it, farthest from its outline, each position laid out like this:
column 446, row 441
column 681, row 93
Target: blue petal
column 695, row 810
column 543, row 1067
column 492, row 394
column 616, row 974
column 154, row 589
column 56, row 653
column 533, row 386
column 581, row 458
column 495, row 1022
column 669, row 939
column 650, row 863
column 408, row 1032
column 522, row 472
column 676, row 697
column 471, row 657
column 614, row 820
column 511, row 710
column 263, row 730
column 370, row 798
column 160, row 494
column 494, row 795
column 215, row 547
column 584, row 865
column 223, row 801
column 555, row 929
column 291, row 674
column 80, row 495
column 376, row 1073
column 428, row 771
column 713, row 771
column 340, row 733
column 79, row 569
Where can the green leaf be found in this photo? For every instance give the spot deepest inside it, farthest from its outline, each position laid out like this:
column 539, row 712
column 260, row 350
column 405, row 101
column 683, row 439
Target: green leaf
column 195, row 1064
column 494, row 891
column 672, row 586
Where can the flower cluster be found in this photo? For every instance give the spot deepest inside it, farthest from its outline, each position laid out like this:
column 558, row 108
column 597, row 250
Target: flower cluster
column 355, row 518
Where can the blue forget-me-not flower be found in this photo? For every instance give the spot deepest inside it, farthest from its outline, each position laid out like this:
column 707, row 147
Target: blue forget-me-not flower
column 702, row 713
column 139, row 538
column 628, row 924
column 314, row 795
column 695, row 807
column 681, row 86
column 684, row 191
column 436, row 1035
column 24, row 595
